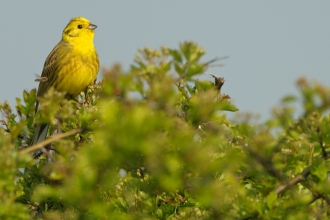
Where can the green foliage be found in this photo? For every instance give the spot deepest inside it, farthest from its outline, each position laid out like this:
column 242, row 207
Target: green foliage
column 156, row 144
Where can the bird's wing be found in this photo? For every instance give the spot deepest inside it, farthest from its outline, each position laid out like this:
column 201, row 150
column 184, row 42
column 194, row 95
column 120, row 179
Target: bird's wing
column 49, row 71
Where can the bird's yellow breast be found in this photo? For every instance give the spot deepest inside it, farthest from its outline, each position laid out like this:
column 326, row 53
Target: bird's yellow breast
column 77, row 68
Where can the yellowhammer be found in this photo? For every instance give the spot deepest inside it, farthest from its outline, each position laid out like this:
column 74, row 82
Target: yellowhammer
column 71, row 66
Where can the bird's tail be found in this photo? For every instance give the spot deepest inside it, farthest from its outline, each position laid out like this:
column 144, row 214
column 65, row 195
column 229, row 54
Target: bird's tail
column 40, row 135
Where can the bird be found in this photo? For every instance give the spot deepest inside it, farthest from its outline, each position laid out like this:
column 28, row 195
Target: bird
column 70, row 67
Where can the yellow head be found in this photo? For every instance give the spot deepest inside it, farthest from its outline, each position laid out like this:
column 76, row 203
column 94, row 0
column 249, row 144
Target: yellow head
column 78, row 28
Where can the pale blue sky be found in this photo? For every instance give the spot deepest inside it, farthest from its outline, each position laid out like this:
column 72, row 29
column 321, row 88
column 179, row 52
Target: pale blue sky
column 269, row 43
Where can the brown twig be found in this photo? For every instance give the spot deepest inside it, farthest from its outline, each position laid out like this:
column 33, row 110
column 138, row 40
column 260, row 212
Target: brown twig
column 215, row 59
column 317, row 195
column 266, row 163
column 300, row 177
column 50, row 140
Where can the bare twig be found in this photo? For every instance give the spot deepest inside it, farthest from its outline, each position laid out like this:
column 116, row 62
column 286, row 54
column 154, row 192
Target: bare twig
column 215, row 59
column 50, row 140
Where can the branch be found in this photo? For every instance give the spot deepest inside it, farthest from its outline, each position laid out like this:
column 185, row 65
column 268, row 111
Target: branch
column 324, row 152
column 317, row 196
column 300, row 177
column 215, row 59
column 50, row 140
column 266, row 163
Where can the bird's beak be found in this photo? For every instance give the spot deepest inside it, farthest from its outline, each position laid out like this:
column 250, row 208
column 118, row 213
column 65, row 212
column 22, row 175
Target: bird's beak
column 92, row 26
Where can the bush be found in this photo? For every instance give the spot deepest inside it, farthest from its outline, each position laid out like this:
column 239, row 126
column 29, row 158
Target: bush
column 155, row 143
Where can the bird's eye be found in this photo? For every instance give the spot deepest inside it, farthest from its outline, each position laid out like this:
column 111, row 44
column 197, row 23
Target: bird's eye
column 79, row 26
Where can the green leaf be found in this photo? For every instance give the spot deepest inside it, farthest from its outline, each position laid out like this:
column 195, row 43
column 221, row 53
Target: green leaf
column 225, row 105
column 176, row 55
column 319, row 169
column 289, row 99
column 271, row 199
